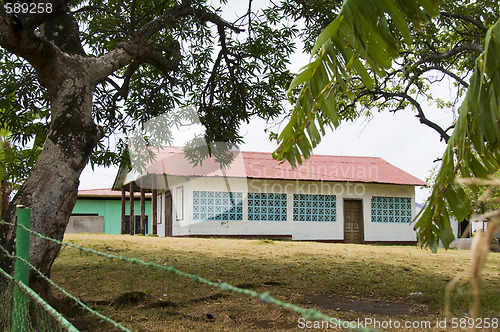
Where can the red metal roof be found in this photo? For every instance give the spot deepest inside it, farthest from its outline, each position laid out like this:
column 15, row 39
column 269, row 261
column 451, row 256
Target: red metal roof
column 261, row 165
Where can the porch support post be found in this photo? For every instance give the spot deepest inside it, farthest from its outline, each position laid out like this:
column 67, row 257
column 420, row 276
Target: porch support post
column 154, row 207
column 123, row 211
column 143, row 210
column 132, row 221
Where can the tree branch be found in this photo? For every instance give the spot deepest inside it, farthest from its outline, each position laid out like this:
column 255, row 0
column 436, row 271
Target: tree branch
column 141, row 46
column 128, row 26
column 466, row 47
column 30, row 21
column 132, row 14
column 122, row 92
column 62, row 29
column 171, row 61
column 156, row 25
column 469, row 19
column 31, row 46
column 420, row 113
column 225, row 51
column 447, row 72
column 185, row 9
column 211, row 80
column 123, row 53
column 215, row 19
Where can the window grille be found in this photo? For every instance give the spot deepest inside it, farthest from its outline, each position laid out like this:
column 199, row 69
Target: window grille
column 391, row 209
column 266, row 207
column 217, row 205
column 308, row 207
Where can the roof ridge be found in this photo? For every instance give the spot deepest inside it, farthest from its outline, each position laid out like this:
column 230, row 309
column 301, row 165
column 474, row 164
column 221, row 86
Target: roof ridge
column 270, row 153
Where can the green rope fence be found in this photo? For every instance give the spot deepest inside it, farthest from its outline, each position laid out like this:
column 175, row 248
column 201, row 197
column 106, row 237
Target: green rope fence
column 45, row 316
column 63, row 291
column 308, row 314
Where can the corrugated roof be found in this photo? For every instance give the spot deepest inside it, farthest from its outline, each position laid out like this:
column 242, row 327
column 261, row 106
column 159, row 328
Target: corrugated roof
column 261, row 165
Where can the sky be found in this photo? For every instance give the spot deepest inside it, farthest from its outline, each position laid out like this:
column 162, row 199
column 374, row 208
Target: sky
column 398, row 138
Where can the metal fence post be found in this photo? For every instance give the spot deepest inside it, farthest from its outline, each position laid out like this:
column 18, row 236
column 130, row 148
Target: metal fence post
column 21, row 272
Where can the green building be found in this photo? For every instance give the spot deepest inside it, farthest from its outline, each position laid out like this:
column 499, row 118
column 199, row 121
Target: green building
column 99, row 211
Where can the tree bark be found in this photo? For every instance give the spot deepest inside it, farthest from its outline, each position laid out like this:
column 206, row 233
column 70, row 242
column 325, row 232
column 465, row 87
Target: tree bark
column 5, row 190
column 52, row 187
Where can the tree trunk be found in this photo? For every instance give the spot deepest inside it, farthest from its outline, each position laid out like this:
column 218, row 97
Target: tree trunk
column 5, row 190
column 52, row 187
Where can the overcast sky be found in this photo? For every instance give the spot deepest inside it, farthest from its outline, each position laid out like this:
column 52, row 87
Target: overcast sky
column 397, row 138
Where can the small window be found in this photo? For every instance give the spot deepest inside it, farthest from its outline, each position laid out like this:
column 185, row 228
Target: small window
column 179, row 203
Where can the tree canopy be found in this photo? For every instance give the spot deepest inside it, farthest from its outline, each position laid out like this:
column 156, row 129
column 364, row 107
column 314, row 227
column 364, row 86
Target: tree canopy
column 77, row 76
column 227, row 71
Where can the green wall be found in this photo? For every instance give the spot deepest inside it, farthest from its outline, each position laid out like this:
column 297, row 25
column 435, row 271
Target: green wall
column 111, row 210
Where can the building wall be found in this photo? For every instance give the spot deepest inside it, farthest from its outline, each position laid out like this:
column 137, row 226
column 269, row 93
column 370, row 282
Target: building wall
column 110, row 209
column 184, row 223
column 85, row 224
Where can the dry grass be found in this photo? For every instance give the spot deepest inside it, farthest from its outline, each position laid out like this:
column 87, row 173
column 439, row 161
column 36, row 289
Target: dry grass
column 298, row 272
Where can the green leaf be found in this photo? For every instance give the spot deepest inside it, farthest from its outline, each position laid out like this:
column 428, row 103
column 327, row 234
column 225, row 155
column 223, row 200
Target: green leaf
column 445, row 230
column 399, row 21
column 329, row 106
column 365, row 77
column 326, row 34
column 458, row 202
column 304, row 75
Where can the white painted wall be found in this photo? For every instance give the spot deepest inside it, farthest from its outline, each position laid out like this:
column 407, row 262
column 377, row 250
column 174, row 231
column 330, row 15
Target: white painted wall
column 373, row 231
column 388, row 231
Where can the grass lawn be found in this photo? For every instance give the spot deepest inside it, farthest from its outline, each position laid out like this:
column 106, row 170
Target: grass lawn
column 346, row 281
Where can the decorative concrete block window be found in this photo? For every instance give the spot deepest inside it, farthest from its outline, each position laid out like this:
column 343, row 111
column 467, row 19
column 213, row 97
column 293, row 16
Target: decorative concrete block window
column 266, row 207
column 217, row 205
column 314, row 207
column 391, row 209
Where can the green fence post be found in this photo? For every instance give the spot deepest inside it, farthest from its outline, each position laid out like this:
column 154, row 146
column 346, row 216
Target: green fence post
column 21, row 272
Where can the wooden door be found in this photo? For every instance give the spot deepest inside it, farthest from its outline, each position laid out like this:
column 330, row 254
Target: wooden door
column 168, row 213
column 353, row 221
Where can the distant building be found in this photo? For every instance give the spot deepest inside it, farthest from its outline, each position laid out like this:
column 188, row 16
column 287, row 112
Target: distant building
column 328, row 198
column 99, row 211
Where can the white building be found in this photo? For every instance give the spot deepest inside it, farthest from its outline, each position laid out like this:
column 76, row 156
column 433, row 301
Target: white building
column 328, row 198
